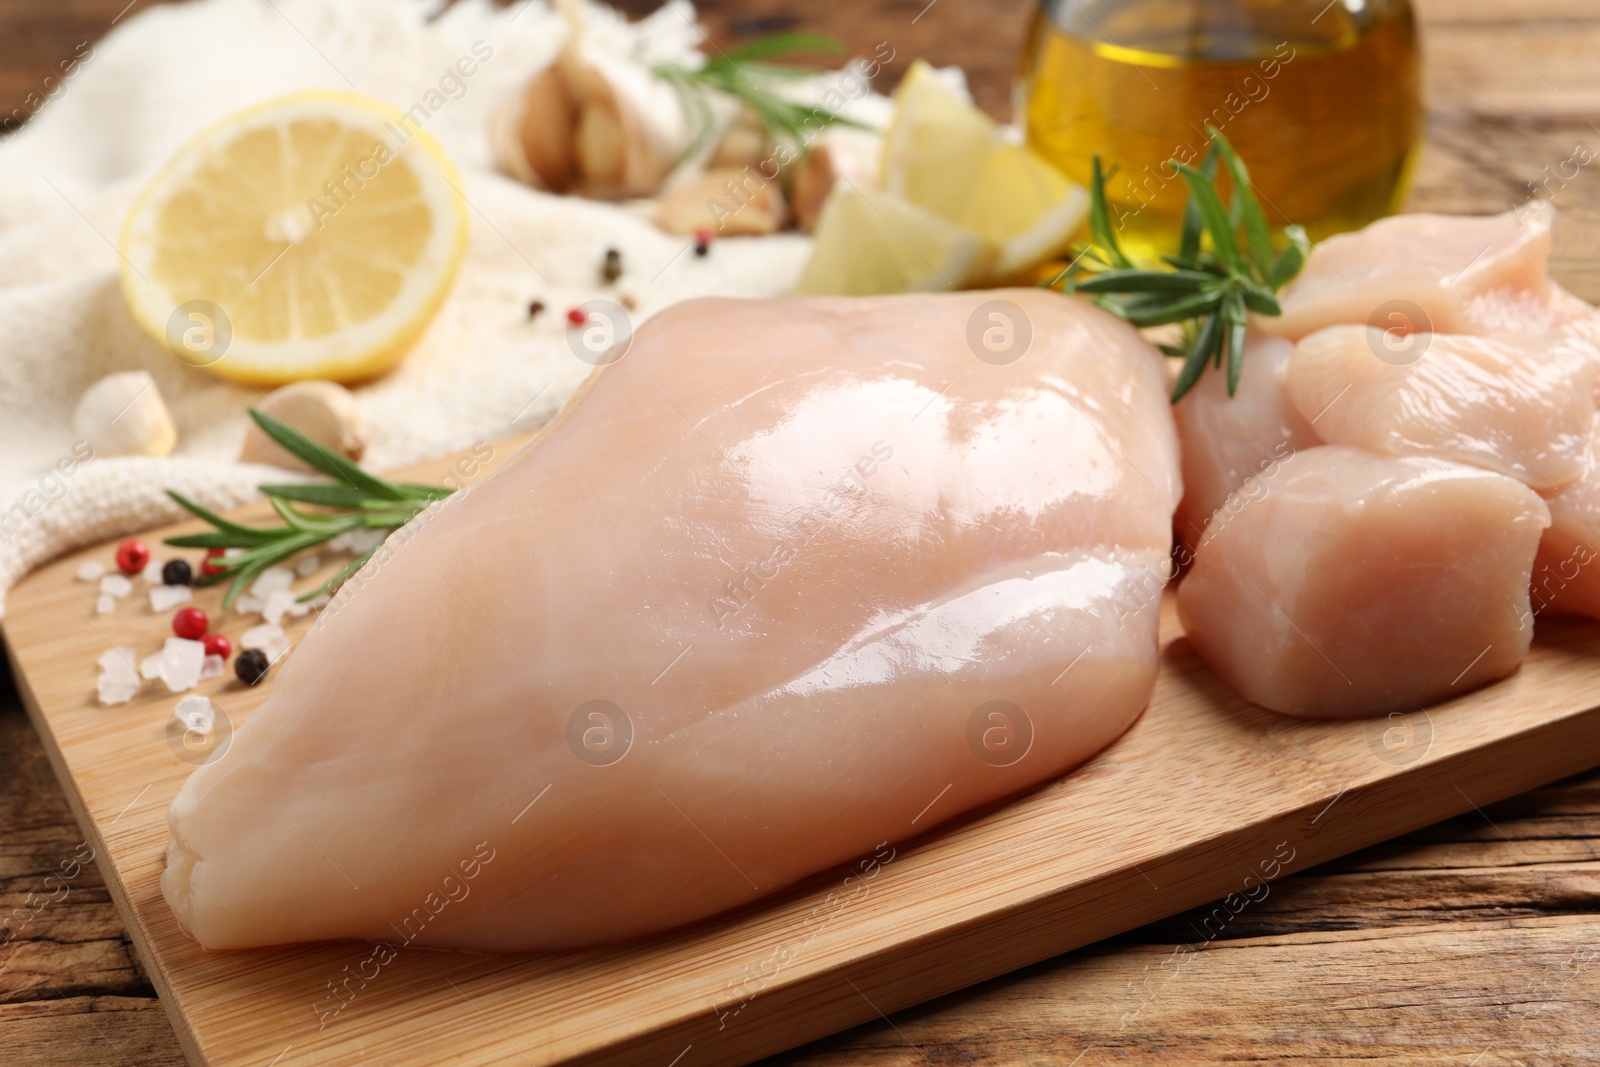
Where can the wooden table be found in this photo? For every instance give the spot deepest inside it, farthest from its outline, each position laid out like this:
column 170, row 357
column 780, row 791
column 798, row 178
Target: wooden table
column 1474, row 942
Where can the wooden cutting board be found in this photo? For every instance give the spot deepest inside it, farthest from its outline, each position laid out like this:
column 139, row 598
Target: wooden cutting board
column 1206, row 798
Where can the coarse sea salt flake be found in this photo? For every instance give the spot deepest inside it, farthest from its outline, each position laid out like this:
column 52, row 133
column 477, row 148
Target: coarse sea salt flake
column 166, row 597
column 123, row 656
column 181, row 660
column 278, row 604
column 115, row 585
column 92, row 571
column 116, row 688
column 307, row 566
column 150, row 666
column 269, row 638
column 212, row 668
column 271, row 581
column 339, row 542
column 249, row 605
column 105, row 604
column 152, row 571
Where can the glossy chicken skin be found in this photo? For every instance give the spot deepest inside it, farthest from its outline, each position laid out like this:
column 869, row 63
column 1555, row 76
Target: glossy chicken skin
column 1520, row 405
column 1431, row 273
column 792, row 579
column 1353, row 584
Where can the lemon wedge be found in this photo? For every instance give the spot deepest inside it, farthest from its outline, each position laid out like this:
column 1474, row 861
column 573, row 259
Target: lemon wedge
column 1025, row 206
column 936, row 143
column 311, row 236
column 944, row 156
column 869, row 241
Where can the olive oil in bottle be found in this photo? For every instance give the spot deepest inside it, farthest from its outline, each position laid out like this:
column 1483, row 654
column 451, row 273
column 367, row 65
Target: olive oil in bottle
column 1322, row 100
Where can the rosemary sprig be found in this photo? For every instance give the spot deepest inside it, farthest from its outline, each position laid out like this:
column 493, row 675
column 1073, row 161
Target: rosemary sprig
column 746, row 74
column 1211, row 288
column 353, row 500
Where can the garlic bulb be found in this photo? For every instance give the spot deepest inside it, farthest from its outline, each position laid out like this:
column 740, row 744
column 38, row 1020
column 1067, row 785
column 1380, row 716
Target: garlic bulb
column 326, row 412
column 591, row 123
column 123, row 415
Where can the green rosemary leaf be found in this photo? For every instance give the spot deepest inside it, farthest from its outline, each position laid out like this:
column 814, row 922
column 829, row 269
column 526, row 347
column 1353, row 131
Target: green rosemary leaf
column 327, row 526
column 213, row 539
column 245, row 533
column 1233, row 313
column 324, row 494
column 740, row 74
column 324, row 461
column 1261, row 300
column 1176, row 311
column 356, row 500
column 1193, row 224
column 780, row 44
column 1200, row 350
column 1105, row 237
column 1291, row 259
column 424, row 492
column 246, row 567
column 1147, row 281
column 1203, row 194
column 1247, row 209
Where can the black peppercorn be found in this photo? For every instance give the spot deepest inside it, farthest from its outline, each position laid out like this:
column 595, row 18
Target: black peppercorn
column 177, row 572
column 611, row 269
column 251, row 666
column 534, row 308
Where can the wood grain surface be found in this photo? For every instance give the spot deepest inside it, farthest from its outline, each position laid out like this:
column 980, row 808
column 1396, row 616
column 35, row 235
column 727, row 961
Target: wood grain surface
column 1471, row 942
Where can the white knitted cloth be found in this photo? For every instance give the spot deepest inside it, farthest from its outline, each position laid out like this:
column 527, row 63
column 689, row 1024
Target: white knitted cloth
column 481, row 371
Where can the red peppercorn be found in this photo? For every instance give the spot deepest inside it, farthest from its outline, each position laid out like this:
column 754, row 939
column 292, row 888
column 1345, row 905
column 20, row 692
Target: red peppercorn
column 702, row 240
column 217, row 645
column 132, row 556
column 190, row 623
column 577, row 317
column 208, row 567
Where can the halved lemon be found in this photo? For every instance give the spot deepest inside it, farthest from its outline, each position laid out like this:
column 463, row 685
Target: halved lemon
column 311, row 236
column 869, row 241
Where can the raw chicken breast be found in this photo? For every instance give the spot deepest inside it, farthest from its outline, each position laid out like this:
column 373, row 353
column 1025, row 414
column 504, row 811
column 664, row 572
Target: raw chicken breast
column 1426, row 273
column 1566, row 575
column 1519, row 405
column 1354, row 584
column 1225, row 440
column 792, row 579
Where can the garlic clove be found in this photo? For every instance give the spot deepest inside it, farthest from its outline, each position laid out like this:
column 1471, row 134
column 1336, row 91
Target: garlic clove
column 326, row 412
column 123, row 415
column 531, row 133
column 602, row 155
column 731, row 203
column 743, row 144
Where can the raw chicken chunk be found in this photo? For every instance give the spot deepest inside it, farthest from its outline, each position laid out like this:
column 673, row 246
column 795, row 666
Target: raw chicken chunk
column 1521, row 406
column 791, row 579
column 1356, row 584
column 1225, row 440
column 1431, row 273
column 1566, row 575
